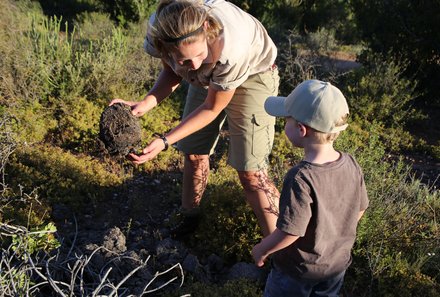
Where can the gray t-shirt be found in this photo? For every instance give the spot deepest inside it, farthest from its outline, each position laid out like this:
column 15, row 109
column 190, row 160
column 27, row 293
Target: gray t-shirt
column 245, row 49
column 321, row 204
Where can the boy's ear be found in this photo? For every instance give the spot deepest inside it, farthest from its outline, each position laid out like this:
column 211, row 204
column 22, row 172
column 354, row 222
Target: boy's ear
column 302, row 129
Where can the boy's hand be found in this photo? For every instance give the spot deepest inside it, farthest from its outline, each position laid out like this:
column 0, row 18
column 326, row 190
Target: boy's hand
column 259, row 255
column 276, row 241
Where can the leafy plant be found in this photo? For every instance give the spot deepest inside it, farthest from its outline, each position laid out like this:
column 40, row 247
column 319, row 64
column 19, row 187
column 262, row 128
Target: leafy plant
column 60, row 175
column 229, row 227
column 37, row 239
column 378, row 91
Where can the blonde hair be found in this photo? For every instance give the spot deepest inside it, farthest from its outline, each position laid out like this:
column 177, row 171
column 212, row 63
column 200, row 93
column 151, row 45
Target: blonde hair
column 322, row 137
column 181, row 21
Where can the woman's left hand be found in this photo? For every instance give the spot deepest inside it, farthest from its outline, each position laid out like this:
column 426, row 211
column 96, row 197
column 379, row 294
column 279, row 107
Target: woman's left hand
column 148, row 153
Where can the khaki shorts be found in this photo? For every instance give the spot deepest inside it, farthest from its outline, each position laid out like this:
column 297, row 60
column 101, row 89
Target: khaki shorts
column 251, row 129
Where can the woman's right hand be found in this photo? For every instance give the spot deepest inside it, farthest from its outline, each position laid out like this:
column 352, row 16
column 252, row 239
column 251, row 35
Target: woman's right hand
column 138, row 109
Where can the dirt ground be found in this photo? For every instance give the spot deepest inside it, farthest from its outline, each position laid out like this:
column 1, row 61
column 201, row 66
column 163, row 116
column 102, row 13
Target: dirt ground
column 128, row 227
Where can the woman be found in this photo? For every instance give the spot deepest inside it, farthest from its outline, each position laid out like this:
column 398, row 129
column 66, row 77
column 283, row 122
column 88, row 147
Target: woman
column 228, row 59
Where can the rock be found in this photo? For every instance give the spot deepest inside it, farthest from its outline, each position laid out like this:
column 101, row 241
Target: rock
column 170, row 252
column 191, row 263
column 215, row 263
column 114, row 240
column 247, row 271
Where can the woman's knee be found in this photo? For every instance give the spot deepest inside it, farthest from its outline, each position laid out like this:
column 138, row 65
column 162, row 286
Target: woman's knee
column 254, row 180
column 196, row 159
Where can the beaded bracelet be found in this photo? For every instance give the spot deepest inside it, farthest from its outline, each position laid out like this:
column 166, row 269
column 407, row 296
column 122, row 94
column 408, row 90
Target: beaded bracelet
column 164, row 139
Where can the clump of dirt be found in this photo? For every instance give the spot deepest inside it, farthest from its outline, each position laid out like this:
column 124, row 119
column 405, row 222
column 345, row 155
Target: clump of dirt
column 119, row 130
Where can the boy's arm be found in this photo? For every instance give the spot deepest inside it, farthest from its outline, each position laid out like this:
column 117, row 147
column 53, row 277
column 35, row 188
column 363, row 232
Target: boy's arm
column 276, row 241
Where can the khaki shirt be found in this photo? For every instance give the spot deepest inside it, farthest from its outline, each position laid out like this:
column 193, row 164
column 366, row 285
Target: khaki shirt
column 245, row 49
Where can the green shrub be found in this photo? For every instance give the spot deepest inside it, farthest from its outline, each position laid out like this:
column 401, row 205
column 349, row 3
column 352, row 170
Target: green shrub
column 79, row 124
column 60, row 176
column 399, row 227
column 32, row 121
column 321, row 41
column 19, row 80
column 40, row 238
column 378, row 91
column 229, row 227
column 295, row 64
column 25, row 212
column 52, row 74
column 390, row 27
column 94, row 26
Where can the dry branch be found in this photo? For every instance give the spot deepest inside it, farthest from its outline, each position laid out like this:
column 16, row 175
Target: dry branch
column 70, row 275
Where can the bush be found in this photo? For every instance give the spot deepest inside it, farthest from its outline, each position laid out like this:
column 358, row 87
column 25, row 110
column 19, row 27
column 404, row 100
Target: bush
column 321, row 41
column 60, row 176
column 229, row 227
column 391, row 27
column 295, row 65
column 52, row 73
column 398, row 234
column 379, row 92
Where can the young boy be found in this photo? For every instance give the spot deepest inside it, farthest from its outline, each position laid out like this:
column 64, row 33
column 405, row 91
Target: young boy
column 322, row 199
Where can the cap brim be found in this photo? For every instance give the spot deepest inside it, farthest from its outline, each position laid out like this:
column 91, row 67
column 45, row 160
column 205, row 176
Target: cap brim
column 275, row 106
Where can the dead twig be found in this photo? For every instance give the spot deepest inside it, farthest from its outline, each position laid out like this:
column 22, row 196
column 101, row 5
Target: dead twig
column 25, row 274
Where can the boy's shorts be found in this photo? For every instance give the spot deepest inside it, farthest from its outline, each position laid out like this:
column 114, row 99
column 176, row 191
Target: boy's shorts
column 279, row 284
column 251, row 129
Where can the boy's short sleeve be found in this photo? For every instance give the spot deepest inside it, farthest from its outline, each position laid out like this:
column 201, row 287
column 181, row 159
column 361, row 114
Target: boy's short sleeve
column 295, row 207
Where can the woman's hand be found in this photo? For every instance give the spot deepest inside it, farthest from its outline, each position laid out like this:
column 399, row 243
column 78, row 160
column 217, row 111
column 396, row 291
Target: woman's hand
column 138, row 109
column 148, row 153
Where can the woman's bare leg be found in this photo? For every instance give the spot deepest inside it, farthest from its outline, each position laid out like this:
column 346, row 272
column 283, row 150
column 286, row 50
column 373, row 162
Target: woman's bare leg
column 195, row 179
column 263, row 197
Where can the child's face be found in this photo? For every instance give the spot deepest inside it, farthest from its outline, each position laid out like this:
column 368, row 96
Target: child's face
column 292, row 130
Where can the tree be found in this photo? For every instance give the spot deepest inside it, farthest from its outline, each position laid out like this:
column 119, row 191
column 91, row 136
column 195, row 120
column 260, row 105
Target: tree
column 406, row 29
